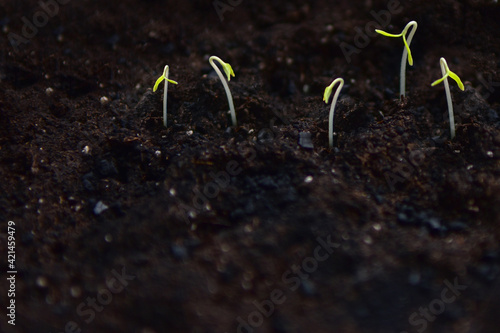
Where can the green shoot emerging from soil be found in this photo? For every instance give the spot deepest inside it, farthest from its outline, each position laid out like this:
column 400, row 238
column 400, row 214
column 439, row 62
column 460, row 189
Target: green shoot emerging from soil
column 229, row 72
column 326, row 97
column 446, row 72
column 406, row 52
column 164, row 76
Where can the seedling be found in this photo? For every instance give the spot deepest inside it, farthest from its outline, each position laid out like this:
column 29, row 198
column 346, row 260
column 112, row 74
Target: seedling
column 164, row 76
column 406, row 52
column 446, row 72
column 326, row 96
column 229, row 72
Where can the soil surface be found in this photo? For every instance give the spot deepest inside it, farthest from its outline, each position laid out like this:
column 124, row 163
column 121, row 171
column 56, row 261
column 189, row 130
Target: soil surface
column 123, row 225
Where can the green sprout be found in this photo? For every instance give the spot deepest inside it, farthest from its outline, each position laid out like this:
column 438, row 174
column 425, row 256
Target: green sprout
column 164, row 76
column 229, row 72
column 326, row 97
column 446, row 72
column 406, row 52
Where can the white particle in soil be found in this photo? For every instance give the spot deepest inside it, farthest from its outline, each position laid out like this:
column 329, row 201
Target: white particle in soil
column 489, row 153
column 469, row 167
column 108, row 238
column 100, row 207
column 104, row 100
column 49, row 91
column 190, row 132
column 172, row 192
column 157, row 153
column 377, row 227
column 308, row 179
column 75, row 291
column 367, row 240
column 86, row 150
column 42, row 281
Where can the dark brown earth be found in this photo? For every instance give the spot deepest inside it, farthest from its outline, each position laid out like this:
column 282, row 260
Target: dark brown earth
column 212, row 228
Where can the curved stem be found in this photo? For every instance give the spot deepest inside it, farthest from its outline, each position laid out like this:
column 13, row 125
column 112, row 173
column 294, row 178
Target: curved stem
column 226, row 87
column 332, row 109
column 444, row 71
column 402, row 83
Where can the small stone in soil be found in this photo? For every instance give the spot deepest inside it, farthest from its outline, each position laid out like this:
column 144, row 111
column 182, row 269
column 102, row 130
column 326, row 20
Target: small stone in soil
column 305, row 140
column 100, row 207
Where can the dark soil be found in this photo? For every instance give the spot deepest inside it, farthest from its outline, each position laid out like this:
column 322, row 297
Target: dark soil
column 210, row 224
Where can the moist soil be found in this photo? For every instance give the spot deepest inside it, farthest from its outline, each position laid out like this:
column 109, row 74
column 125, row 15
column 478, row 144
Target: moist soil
column 123, row 225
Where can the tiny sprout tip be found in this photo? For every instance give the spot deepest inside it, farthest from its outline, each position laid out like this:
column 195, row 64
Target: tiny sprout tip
column 157, row 83
column 383, row 33
column 326, row 95
column 457, row 80
column 435, row 83
column 229, row 71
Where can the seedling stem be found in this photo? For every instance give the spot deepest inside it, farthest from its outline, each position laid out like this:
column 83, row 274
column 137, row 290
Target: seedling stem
column 326, row 96
column 229, row 72
column 446, row 72
column 164, row 76
column 406, row 52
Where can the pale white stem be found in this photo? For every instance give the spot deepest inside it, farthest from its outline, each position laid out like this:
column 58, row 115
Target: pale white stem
column 332, row 109
column 226, row 87
column 444, row 71
column 404, row 58
column 165, row 89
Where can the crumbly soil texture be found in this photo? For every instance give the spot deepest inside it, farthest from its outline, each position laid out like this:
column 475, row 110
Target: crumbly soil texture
column 124, row 225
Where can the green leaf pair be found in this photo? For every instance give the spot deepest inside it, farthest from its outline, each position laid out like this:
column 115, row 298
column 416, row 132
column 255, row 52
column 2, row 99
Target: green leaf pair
column 449, row 73
column 164, row 76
